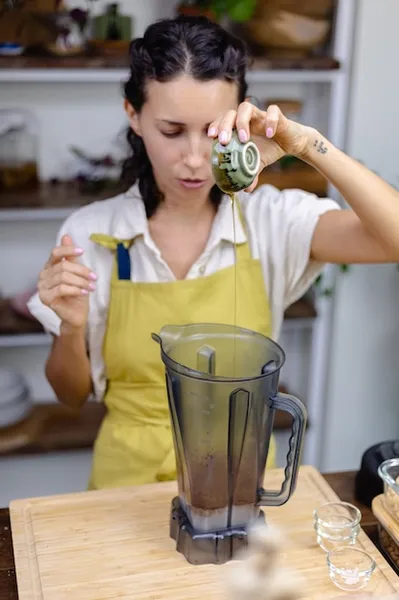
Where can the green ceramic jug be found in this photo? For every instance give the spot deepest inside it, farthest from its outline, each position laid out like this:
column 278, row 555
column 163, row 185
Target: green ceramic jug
column 235, row 165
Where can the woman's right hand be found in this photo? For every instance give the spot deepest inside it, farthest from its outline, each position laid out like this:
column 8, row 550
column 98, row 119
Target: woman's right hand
column 64, row 285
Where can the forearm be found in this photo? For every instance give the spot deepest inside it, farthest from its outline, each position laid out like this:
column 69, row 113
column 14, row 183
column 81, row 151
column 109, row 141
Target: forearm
column 375, row 202
column 68, row 369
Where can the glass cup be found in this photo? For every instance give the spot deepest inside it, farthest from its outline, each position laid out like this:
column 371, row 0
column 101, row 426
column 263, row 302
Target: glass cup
column 350, row 568
column 336, row 524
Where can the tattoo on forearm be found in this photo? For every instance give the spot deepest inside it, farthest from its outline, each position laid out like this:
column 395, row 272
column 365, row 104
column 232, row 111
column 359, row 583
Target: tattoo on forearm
column 320, row 146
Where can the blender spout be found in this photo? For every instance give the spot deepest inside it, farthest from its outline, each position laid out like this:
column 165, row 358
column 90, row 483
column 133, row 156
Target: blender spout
column 169, row 334
column 156, row 338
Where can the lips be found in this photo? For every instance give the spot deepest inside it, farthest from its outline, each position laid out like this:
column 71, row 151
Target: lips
column 192, row 183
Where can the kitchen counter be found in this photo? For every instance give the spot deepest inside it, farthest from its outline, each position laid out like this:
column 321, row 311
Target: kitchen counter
column 342, row 483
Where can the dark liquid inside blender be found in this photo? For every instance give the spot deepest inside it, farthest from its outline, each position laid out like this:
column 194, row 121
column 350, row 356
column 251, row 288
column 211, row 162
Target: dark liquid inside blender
column 213, row 507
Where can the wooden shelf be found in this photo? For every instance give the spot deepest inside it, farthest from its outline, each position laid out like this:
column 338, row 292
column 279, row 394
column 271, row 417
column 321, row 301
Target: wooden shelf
column 52, row 202
column 308, row 63
column 301, row 309
column 85, row 63
column 52, row 427
column 109, row 69
column 302, row 177
column 299, row 316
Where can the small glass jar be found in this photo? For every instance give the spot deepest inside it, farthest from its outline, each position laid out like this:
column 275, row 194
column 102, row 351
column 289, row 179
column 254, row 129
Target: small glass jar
column 389, row 473
column 349, row 568
column 18, row 150
column 336, row 524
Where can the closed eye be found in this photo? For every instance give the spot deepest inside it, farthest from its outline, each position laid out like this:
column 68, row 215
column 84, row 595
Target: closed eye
column 171, row 134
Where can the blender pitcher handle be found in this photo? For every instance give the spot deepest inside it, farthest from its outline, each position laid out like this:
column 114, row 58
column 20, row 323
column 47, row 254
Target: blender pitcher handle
column 297, row 410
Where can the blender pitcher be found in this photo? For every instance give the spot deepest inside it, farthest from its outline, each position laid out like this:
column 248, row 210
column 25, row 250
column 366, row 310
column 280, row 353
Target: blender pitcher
column 222, row 384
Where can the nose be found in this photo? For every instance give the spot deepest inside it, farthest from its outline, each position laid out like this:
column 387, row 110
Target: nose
column 196, row 154
column 193, row 161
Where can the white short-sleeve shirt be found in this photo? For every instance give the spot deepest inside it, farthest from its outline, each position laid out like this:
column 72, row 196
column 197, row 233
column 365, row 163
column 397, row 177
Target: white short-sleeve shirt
column 279, row 225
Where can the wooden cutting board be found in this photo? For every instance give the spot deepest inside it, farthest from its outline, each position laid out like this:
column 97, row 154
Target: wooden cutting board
column 115, row 544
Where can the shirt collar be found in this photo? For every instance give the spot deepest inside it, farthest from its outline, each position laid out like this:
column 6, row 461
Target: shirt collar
column 131, row 220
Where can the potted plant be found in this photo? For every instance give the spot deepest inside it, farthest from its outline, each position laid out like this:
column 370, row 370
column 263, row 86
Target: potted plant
column 234, row 10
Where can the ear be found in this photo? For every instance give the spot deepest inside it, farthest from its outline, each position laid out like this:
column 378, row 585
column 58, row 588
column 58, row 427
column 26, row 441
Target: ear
column 133, row 117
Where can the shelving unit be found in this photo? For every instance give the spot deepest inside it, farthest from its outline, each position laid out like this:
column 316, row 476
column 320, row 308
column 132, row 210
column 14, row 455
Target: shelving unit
column 117, row 75
column 299, row 317
column 88, row 69
column 58, row 201
column 48, row 202
column 318, row 78
column 21, row 340
column 12, row 215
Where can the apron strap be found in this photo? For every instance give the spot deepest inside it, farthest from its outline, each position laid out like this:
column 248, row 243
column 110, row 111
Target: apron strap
column 123, row 262
column 122, row 266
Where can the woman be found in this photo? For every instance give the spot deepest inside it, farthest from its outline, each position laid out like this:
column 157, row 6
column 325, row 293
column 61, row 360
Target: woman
column 163, row 252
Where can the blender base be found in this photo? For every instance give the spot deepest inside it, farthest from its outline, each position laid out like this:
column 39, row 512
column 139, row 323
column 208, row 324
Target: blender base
column 216, row 547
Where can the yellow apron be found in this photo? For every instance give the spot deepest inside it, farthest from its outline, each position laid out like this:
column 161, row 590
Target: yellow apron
column 134, row 445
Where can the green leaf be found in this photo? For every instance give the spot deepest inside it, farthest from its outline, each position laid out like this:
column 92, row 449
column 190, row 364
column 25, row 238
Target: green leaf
column 327, row 292
column 241, row 10
column 218, row 7
column 237, row 10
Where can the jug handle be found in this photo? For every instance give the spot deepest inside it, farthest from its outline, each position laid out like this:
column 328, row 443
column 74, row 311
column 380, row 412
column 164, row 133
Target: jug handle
column 297, row 410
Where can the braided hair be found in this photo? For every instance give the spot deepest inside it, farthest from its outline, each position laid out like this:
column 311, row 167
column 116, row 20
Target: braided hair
column 169, row 48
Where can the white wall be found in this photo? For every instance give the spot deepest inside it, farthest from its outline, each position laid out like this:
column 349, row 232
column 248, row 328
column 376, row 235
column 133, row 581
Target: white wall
column 363, row 394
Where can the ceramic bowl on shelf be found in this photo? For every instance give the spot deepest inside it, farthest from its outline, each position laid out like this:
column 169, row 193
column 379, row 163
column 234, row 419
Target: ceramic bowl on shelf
column 284, row 33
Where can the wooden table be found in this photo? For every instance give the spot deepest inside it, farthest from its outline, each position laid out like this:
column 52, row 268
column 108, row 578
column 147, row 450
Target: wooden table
column 342, row 483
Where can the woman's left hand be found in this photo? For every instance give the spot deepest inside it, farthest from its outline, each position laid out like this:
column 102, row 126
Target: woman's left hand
column 272, row 132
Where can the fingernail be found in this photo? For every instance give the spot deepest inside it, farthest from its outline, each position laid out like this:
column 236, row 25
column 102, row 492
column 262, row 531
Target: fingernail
column 92, row 286
column 242, row 134
column 78, row 250
column 84, row 292
column 269, row 132
column 223, row 137
column 211, row 131
column 93, row 276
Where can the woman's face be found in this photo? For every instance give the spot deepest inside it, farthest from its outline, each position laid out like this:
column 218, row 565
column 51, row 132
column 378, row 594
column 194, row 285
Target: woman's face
column 173, row 124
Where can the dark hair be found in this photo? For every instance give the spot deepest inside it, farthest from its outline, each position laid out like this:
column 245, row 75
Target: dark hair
column 171, row 47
